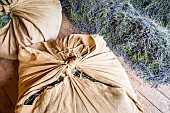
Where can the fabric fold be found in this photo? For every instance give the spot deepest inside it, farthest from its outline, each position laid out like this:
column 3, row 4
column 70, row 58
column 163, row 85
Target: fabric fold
column 42, row 64
column 31, row 21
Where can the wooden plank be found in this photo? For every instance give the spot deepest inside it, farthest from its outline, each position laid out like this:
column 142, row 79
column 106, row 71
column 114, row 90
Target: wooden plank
column 9, row 83
column 153, row 95
column 67, row 27
column 10, row 67
column 5, row 104
column 64, row 17
column 165, row 90
column 6, row 63
column 60, row 35
column 66, row 31
column 15, row 64
column 147, row 106
column 135, row 84
column 161, row 102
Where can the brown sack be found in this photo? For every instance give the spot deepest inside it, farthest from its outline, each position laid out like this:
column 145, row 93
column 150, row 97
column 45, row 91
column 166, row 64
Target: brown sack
column 107, row 90
column 31, row 21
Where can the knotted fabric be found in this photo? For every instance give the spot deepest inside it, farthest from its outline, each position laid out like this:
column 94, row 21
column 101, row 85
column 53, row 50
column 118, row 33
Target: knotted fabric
column 4, row 9
column 43, row 63
column 30, row 21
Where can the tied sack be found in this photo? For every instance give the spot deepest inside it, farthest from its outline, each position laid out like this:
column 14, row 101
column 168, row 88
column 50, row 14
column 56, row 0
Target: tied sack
column 30, row 21
column 51, row 78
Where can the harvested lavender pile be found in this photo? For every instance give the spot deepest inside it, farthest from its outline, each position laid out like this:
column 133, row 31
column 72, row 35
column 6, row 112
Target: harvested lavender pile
column 158, row 10
column 4, row 20
column 144, row 43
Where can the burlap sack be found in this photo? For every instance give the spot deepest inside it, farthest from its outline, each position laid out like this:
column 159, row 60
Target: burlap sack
column 31, row 21
column 43, row 63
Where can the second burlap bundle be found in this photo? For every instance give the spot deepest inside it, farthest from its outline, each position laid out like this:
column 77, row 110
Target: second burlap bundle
column 47, row 78
column 31, row 21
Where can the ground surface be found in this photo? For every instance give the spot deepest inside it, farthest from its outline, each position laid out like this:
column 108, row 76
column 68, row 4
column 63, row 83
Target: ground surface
column 154, row 100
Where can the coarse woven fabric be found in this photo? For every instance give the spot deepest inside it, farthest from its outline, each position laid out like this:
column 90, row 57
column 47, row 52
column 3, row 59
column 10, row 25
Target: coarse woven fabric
column 31, row 21
column 43, row 63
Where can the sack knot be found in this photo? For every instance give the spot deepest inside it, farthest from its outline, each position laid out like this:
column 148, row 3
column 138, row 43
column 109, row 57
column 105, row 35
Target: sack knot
column 4, row 9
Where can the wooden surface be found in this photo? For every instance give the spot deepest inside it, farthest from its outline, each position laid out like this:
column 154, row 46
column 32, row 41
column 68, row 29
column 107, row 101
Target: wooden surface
column 154, row 100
